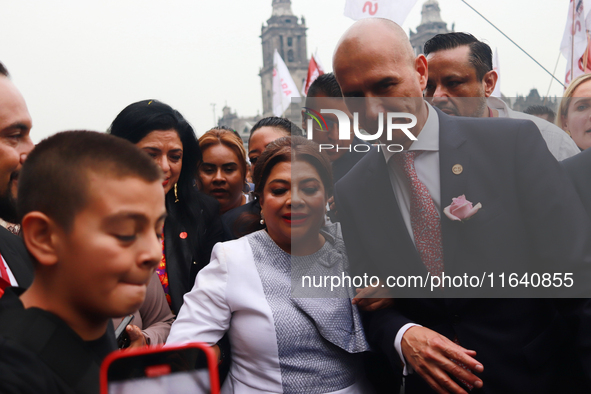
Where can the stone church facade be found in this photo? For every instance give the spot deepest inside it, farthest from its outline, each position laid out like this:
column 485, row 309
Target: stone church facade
column 431, row 25
column 287, row 33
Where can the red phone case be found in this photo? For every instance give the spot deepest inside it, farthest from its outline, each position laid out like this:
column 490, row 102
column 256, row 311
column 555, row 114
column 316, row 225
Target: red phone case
column 158, row 370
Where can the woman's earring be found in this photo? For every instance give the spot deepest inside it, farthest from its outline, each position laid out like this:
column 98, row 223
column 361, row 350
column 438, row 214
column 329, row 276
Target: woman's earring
column 176, row 196
column 262, row 221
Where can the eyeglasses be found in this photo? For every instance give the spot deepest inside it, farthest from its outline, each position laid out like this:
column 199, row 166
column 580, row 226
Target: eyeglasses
column 329, row 123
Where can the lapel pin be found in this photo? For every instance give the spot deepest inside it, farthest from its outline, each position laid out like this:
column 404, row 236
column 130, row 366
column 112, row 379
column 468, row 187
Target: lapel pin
column 183, row 235
column 457, row 169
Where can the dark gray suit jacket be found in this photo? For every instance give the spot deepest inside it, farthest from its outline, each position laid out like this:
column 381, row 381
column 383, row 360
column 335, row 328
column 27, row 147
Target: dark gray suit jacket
column 578, row 168
column 531, row 220
column 14, row 252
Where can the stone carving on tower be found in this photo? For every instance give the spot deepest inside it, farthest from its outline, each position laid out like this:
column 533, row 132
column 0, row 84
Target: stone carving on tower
column 285, row 32
column 431, row 25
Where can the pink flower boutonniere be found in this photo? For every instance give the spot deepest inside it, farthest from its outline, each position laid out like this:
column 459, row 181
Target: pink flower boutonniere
column 461, row 209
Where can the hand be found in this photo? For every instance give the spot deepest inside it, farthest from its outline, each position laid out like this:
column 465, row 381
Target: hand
column 136, row 337
column 373, row 298
column 431, row 355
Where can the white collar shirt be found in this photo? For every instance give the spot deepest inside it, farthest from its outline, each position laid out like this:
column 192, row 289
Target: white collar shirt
column 560, row 144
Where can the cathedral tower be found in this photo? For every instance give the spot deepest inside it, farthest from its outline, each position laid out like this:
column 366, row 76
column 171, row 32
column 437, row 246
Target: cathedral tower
column 431, row 25
column 286, row 33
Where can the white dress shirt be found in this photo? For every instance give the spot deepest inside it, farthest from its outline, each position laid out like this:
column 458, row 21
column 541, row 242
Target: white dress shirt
column 560, row 144
column 427, row 167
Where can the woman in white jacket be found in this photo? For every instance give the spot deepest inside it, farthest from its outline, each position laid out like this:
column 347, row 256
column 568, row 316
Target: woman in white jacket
column 283, row 340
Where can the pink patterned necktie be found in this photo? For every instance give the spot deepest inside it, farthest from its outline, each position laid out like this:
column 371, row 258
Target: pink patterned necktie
column 424, row 217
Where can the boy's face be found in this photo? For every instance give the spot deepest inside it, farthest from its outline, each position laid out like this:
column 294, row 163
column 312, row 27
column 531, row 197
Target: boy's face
column 107, row 258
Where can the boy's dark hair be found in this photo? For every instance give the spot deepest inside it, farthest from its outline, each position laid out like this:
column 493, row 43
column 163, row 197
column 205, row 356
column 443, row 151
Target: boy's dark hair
column 480, row 52
column 3, row 70
column 327, row 84
column 54, row 178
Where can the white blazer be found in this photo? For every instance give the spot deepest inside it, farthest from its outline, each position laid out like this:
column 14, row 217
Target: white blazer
column 228, row 297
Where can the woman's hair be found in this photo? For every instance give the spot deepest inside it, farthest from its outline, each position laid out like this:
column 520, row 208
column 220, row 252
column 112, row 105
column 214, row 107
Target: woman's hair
column 288, row 149
column 285, row 149
column 285, row 125
column 138, row 120
column 228, row 138
column 567, row 97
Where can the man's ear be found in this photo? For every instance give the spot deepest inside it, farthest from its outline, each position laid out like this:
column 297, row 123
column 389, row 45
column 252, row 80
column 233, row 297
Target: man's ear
column 490, row 81
column 40, row 236
column 422, row 70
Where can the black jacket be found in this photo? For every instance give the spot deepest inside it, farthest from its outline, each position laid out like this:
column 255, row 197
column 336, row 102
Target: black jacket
column 14, row 252
column 578, row 168
column 531, row 218
column 190, row 232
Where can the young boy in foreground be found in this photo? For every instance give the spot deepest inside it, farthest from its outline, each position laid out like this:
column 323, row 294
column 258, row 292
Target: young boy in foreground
column 92, row 211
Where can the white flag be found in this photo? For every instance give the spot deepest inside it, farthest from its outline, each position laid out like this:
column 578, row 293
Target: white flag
column 284, row 88
column 396, row 10
column 574, row 40
column 497, row 91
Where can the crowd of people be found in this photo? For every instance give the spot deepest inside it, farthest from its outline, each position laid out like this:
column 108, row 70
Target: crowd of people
column 205, row 239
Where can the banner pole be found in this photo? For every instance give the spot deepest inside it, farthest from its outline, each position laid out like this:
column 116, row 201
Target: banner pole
column 514, row 43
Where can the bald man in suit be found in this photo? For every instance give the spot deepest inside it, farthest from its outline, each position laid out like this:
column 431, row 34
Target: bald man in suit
column 531, row 219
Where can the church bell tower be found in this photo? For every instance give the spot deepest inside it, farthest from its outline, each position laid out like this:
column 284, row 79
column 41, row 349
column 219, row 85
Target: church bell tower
column 431, row 25
column 287, row 33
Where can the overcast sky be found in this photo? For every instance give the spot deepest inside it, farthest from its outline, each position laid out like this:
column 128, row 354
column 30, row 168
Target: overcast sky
column 78, row 63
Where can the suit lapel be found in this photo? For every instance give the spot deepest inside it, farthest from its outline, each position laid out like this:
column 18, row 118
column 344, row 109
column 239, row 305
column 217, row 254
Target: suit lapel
column 452, row 151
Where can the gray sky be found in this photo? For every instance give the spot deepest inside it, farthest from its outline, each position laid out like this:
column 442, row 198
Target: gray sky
column 79, row 62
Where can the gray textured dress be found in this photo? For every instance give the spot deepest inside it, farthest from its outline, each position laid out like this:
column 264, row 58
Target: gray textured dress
column 319, row 339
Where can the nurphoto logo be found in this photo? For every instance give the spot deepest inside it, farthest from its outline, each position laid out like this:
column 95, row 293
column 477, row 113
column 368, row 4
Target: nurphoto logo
column 315, row 121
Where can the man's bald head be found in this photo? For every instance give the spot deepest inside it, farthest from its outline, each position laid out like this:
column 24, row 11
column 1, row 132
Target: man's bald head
column 375, row 64
column 365, row 31
column 373, row 42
